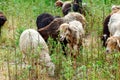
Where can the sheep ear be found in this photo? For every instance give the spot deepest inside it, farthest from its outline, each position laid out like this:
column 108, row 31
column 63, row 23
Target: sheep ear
column 118, row 43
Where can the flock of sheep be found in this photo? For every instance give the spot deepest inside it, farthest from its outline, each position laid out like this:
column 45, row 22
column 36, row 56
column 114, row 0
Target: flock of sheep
column 69, row 30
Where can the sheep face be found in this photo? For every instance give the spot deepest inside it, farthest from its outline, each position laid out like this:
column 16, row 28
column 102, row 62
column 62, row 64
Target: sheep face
column 112, row 44
column 64, row 31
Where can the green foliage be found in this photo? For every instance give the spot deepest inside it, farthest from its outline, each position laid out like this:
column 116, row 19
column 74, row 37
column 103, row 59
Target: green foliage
column 18, row 33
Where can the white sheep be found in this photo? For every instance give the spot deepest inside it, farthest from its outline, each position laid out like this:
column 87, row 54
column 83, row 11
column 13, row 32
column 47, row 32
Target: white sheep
column 114, row 29
column 73, row 32
column 73, row 29
column 30, row 42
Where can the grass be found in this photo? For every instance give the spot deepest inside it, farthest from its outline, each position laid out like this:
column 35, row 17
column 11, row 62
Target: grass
column 92, row 63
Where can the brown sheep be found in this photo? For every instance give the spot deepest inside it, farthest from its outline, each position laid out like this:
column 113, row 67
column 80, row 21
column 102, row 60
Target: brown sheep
column 51, row 30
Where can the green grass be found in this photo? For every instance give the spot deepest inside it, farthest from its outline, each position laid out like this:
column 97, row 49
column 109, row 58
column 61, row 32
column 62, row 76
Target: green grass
column 92, row 62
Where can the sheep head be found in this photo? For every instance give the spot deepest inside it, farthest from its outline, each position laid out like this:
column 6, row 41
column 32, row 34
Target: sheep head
column 115, row 8
column 64, row 31
column 112, row 43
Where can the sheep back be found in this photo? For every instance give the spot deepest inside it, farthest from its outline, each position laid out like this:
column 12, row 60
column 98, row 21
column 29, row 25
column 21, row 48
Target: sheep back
column 75, row 16
column 32, row 39
column 51, row 30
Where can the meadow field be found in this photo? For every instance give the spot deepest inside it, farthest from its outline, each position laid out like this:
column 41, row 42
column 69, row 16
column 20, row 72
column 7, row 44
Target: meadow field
column 92, row 62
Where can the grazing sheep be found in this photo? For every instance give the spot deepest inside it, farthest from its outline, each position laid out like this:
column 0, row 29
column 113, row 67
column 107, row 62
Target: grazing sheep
column 69, row 6
column 2, row 20
column 73, row 32
column 113, row 44
column 106, row 32
column 30, row 42
column 114, row 29
column 51, row 30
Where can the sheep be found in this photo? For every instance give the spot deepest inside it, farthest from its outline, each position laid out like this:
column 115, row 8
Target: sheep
column 73, row 32
column 113, row 44
column 106, row 32
column 51, row 30
column 3, row 19
column 69, row 6
column 44, row 19
column 30, row 41
column 114, row 29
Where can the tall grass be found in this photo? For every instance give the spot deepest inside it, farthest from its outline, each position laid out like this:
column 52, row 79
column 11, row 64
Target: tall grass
column 92, row 62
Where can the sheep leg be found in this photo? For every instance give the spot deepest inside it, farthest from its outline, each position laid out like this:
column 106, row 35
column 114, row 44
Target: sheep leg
column 76, row 51
column 74, row 62
column 24, row 59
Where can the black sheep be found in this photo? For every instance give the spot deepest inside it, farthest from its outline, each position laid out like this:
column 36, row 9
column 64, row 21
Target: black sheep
column 2, row 20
